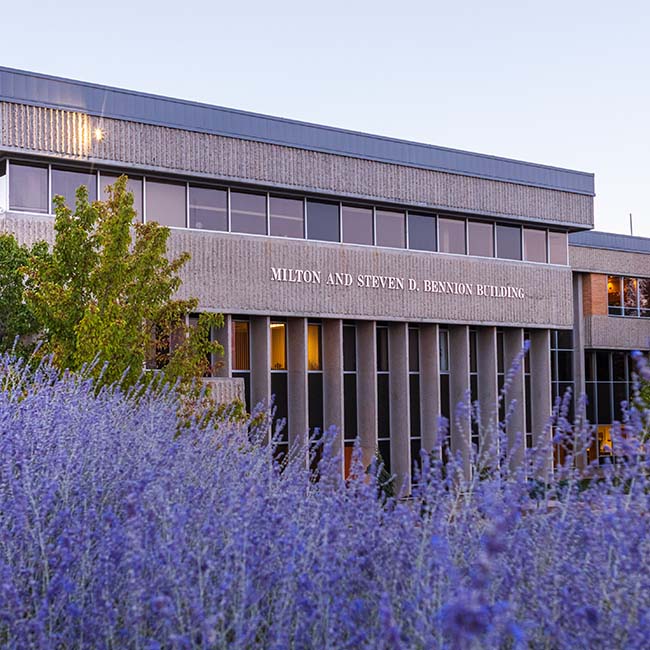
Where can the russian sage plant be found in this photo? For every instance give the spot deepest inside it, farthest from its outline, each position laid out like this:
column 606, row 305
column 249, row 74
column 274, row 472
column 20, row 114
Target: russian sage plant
column 118, row 533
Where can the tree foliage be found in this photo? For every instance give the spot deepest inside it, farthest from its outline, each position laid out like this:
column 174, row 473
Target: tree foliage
column 104, row 294
column 17, row 320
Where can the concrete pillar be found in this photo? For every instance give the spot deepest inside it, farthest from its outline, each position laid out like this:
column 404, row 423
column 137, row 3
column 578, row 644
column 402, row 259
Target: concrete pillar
column 578, row 337
column 260, row 332
column 297, row 384
column 333, row 382
column 488, row 395
column 459, row 386
column 429, row 385
column 224, row 336
column 541, row 399
column 400, row 421
column 367, row 389
column 513, row 342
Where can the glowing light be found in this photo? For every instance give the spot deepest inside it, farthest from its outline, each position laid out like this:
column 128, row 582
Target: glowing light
column 99, row 134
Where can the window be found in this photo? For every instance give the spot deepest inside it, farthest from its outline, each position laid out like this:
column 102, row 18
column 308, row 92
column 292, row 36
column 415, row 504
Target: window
column 248, row 213
column 314, row 389
column 557, row 248
column 28, row 188
column 390, row 228
column 508, row 242
column 414, row 394
column 65, row 183
column 314, row 347
column 422, row 232
column 279, row 386
column 208, row 208
column 357, row 225
column 323, row 221
column 133, row 185
column 451, row 233
column 445, row 394
column 481, row 238
column 287, row 217
column 278, row 346
column 534, row 245
column 166, row 203
column 241, row 356
column 383, row 397
column 628, row 296
column 644, row 297
column 349, row 392
column 614, row 294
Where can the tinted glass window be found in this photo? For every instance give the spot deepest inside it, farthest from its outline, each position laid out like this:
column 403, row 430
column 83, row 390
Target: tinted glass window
column 508, row 242
column 323, row 221
column 382, row 349
column 66, row 182
column 614, row 295
column 357, row 225
column 534, row 245
column 28, row 188
column 481, row 238
column 451, row 233
column 248, row 213
column 208, row 208
column 414, row 349
column 314, row 347
column 350, row 406
column 166, row 203
column 422, row 232
column 287, row 217
column 444, row 350
column 278, row 346
column 349, row 347
column 133, row 185
column 390, row 228
column 557, row 247
column 241, row 358
column 644, row 297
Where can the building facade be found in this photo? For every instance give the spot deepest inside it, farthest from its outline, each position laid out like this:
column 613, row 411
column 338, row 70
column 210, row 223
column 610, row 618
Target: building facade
column 366, row 282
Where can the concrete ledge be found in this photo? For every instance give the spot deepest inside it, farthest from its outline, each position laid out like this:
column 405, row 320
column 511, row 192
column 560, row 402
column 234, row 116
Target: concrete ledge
column 226, row 389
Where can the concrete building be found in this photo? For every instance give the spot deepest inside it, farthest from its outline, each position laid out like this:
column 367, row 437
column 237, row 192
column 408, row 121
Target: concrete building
column 367, row 282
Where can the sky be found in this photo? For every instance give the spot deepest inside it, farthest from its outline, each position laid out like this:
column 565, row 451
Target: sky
column 563, row 83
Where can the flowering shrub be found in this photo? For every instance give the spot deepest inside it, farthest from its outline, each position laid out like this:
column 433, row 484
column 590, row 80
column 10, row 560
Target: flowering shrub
column 117, row 533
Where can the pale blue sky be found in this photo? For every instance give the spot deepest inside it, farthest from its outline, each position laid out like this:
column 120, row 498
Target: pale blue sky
column 561, row 83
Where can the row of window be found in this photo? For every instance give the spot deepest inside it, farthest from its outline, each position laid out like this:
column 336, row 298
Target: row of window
column 628, row 296
column 185, row 205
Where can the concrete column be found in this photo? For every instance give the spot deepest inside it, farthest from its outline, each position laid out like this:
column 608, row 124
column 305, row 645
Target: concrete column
column 460, row 425
column 260, row 333
column 513, row 342
column 429, row 385
column 224, row 336
column 398, row 378
column 541, row 398
column 488, row 395
column 367, row 388
column 297, row 384
column 333, row 382
column 578, row 338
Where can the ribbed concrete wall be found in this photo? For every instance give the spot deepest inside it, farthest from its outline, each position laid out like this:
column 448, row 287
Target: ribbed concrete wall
column 233, row 273
column 614, row 262
column 67, row 134
column 617, row 333
column 226, row 390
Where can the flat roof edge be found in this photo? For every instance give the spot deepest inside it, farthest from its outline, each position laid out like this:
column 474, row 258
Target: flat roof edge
column 23, row 87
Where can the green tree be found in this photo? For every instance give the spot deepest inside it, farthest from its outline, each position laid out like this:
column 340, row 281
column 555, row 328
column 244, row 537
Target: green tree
column 105, row 294
column 17, row 321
